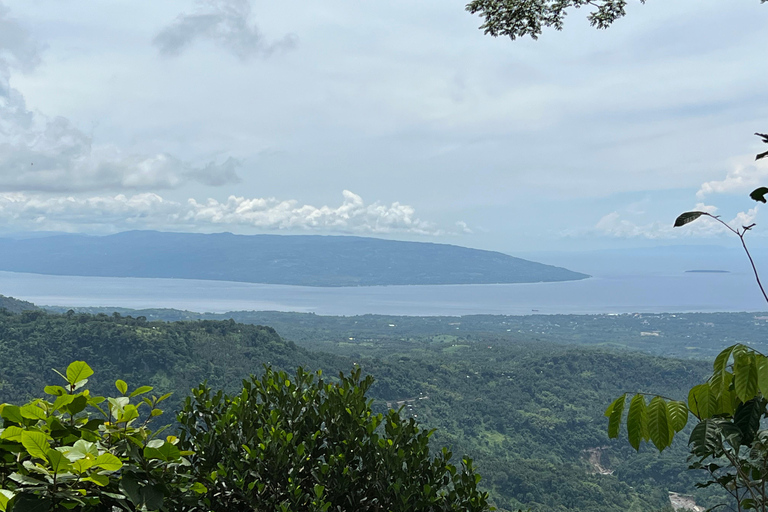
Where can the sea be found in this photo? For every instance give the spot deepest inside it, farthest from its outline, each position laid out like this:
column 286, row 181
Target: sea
column 608, row 294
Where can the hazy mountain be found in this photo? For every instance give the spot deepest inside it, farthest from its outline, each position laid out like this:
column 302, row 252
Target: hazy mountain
column 274, row 259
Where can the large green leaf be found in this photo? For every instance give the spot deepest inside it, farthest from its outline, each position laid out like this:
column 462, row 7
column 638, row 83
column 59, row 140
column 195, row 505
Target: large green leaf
column 678, row 414
column 78, row 371
column 108, row 462
column 59, row 463
column 685, row 218
column 747, row 419
column 637, row 423
column 705, row 438
column 614, row 413
column 36, row 443
column 702, row 401
column 32, row 412
column 762, row 374
column 745, row 375
column 720, row 368
column 658, row 423
column 5, row 496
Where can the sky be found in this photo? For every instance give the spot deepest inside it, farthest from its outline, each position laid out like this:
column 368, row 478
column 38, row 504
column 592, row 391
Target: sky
column 391, row 119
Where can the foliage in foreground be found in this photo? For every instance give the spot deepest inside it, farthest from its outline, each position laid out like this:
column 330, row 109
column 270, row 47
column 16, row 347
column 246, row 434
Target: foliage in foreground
column 727, row 441
column 89, row 453
column 280, row 445
column 306, row 444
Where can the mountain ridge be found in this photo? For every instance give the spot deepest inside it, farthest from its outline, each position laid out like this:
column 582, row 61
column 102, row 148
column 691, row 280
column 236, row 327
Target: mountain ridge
column 306, row 260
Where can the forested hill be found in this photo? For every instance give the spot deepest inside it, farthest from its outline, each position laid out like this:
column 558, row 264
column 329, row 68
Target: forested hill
column 530, row 414
column 307, row 260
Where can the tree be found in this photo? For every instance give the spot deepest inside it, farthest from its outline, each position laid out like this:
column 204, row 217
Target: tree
column 89, row 453
column 518, row 18
column 304, row 444
column 728, row 440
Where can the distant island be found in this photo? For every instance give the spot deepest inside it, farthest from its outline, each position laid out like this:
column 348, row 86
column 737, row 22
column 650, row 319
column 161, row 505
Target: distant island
column 708, row 271
column 306, row 260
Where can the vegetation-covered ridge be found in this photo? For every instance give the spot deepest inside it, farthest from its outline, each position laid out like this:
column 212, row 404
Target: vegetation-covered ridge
column 306, row 260
column 530, row 413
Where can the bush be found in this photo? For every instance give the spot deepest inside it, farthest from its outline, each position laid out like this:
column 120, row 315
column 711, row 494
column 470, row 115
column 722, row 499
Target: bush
column 307, row 444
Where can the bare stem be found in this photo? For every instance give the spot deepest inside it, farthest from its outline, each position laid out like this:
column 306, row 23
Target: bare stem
column 741, row 234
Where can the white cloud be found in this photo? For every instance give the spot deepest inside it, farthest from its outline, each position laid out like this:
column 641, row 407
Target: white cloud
column 40, row 153
column 745, row 176
column 226, row 23
column 147, row 210
column 614, row 224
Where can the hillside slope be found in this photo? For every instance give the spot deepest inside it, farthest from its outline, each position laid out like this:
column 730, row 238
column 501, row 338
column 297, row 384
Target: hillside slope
column 272, row 259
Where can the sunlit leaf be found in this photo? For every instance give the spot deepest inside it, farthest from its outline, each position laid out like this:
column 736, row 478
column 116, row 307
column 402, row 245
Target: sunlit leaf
column 658, row 422
column 78, row 371
column 702, row 401
column 108, row 462
column 121, row 386
column 678, row 414
column 141, row 390
column 745, row 375
column 32, row 412
column 36, row 443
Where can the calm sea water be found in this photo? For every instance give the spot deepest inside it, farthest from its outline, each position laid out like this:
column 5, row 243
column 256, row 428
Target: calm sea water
column 651, row 293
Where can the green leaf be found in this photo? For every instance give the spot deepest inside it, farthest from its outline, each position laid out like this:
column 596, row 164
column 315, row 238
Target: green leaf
column 637, row 421
column 199, row 488
column 167, row 452
column 55, row 390
column 59, row 463
column 28, row 502
column 100, row 480
column 747, row 419
column 12, row 433
column 80, row 466
column 108, row 462
column 720, row 369
column 32, row 412
column 705, row 438
column 759, row 193
column 13, row 413
column 702, row 401
column 5, row 496
column 141, row 390
column 121, row 386
column 36, row 443
column 658, row 423
column 78, row 371
column 614, row 413
column 762, row 374
column 62, row 401
column 745, row 375
column 685, row 218
column 678, row 414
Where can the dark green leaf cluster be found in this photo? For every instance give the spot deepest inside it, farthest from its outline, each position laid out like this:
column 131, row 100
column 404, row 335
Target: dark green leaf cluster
column 301, row 443
column 518, row 18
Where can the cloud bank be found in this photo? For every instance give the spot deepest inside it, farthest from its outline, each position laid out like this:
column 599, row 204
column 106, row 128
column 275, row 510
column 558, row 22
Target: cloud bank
column 39, row 153
column 615, row 225
column 224, row 22
column 150, row 211
column 745, row 176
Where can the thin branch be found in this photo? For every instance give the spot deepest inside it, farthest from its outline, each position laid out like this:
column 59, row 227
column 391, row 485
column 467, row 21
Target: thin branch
column 741, row 234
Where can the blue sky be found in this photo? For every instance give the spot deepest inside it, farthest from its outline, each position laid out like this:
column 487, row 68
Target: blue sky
column 393, row 119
